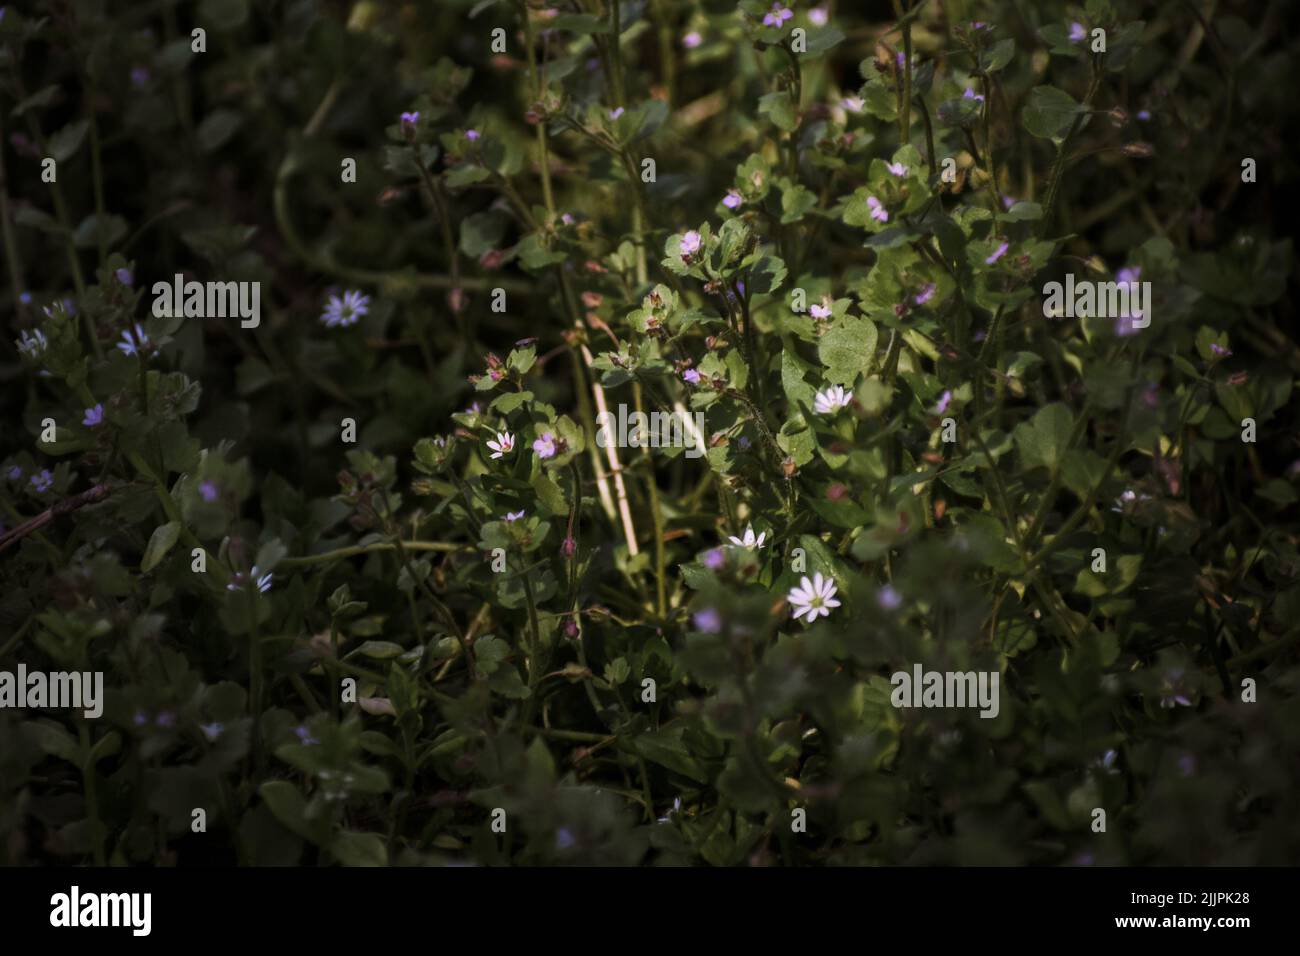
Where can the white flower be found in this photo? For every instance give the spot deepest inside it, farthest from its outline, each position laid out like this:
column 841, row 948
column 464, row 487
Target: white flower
column 749, row 541
column 831, row 400
column 813, row 597
column 504, row 444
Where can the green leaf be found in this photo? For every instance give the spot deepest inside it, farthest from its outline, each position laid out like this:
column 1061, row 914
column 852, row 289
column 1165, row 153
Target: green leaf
column 359, row 849
column 65, row 143
column 1044, row 439
column 160, row 542
column 780, row 109
column 217, row 128
column 848, row 349
column 1049, row 112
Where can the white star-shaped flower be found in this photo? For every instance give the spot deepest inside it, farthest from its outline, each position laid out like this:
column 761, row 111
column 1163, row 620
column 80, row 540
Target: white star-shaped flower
column 749, row 541
column 504, row 444
column 831, row 400
column 813, row 597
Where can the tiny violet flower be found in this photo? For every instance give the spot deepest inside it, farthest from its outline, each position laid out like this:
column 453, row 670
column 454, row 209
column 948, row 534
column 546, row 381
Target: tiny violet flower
column 410, row 119
column 676, row 808
column 714, row 559
column 25, row 298
column 691, row 375
column 208, row 490
column 941, row 406
column 853, row 104
column 925, row 295
column 732, row 200
column 345, row 311
column 1129, row 275
column 813, row 598
column 42, row 481
column 1106, row 762
column 749, row 541
column 304, row 735
column 818, row 16
column 545, row 446
column 970, row 94
column 707, row 620
column 94, row 416
column 212, row 731
column 692, row 40
column 1077, row 32
column 472, row 135
column 15, row 473
column 690, row 243
column 504, row 445
column 1219, row 350
column 564, row 838
column 998, row 253
column 831, row 400
column 1008, row 202
column 139, row 719
column 888, row 598
column 1144, row 115
column 124, row 276
column 878, row 211
column 139, row 76
column 777, row 15
column 898, row 169
column 512, row 516
column 165, row 718
column 134, row 341
column 616, row 113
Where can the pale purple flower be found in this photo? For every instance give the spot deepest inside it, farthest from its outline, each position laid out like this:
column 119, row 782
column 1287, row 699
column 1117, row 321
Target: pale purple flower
column 304, row 735
column 853, row 104
column 567, row 218
column 998, row 253
column 1125, row 325
column 925, row 295
column 15, row 473
column 345, row 311
column 1008, row 202
column 564, row 838
column 707, row 620
column 732, row 199
column 1219, row 350
column 139, row 76
column 820, row 311
column 472, row 134
column 777, row 15
column 133, row 344
column 208, row 490
column 978, row 25
column 972, row 95
column 1077, row 32
column 692, row 375
column 94, row 416
column 676, row 808
column 941, row 406
column 616, row 113
column 139, row 719
column 898, row 169
column 25, row 298
column 878, row 211
column 689, row 243
column 545, row 446
column 504, row 445
column 749, row 541
column 1144, row 115
column 410, row 119
column 714, row 559
column 888, row 598
column 261, row 581
column 818, row 16
column 32, row 344
column 813, row 598
column 692, row 40
column 1129, row 275
column 212, row 731
column 124, row 276
column 42, row 481
column 831, row 400
column 512, row 516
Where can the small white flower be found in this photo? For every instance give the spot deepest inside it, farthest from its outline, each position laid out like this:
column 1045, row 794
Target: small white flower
column 813, row 597
column 749, row 541
column 831, row 400
column 504, row 444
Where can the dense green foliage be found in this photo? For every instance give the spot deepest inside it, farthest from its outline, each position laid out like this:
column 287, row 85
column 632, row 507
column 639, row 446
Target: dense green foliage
column 566, row 632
